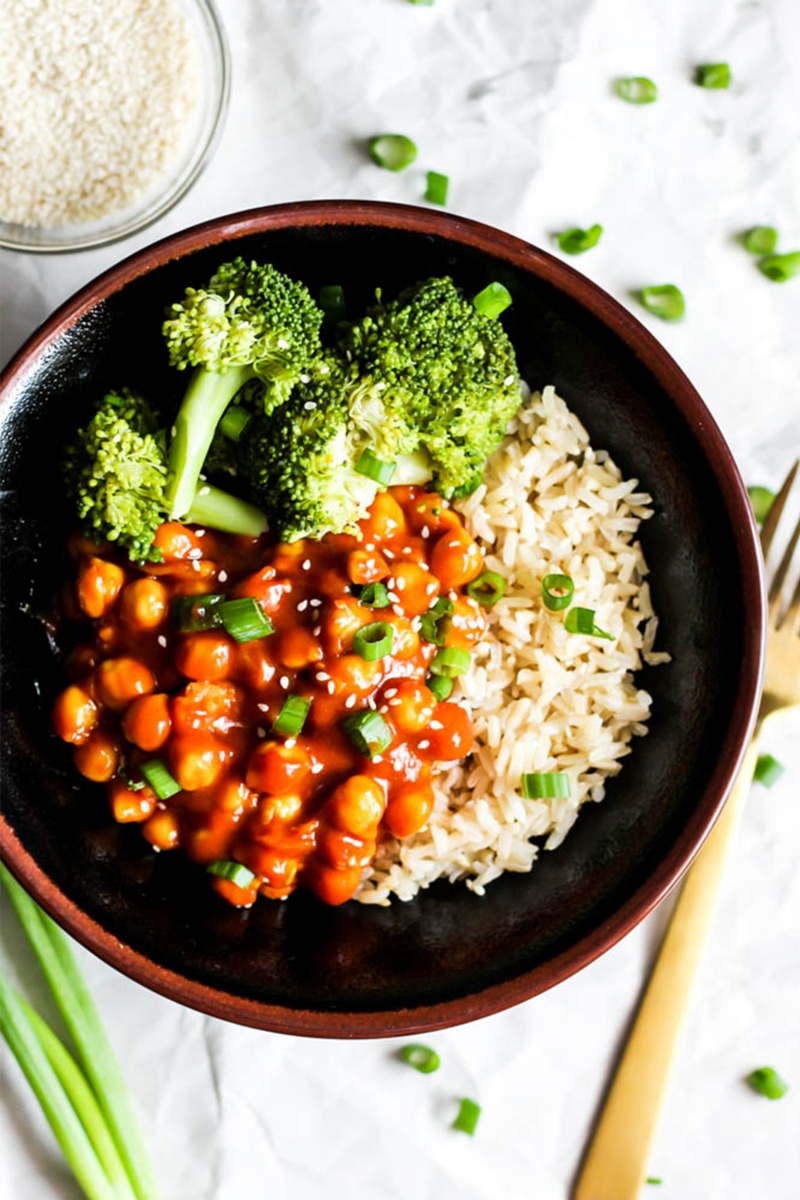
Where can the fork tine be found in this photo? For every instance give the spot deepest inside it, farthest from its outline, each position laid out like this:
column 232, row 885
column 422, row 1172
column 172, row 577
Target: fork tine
column 774, row 514
column 779, row 578
column 792, row 617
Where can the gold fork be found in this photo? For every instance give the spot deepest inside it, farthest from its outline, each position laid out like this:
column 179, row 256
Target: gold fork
column 615, row 1164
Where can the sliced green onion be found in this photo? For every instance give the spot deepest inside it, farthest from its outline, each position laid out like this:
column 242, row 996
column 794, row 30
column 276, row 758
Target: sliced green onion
column 768, row 770
column 373, row 641
column 780, row 267
column 557, row 592
column 487, row 588
column 440, row 685
column 654, row 1180
column 467, row 1119
column 665, row 300
column 581, row 620
column 546, row 785
column 421, row 1058
column 762, row 500
column 450, row 661
column 292, row 717
column 368, row 731
column 767, row 1082
column 761, row 239
column 160, row 779
column 493, row 300
column 375, row 468
column 428, row 3
column 374, row 595
column 436, row 188
column 245, row 619
column 578, row 241
column 331, row 301
column 234, row 422
column 394, row 151
column 434, row 625
column 637, row 89
column 193, row 614
column 713, row 75
column 236, row 872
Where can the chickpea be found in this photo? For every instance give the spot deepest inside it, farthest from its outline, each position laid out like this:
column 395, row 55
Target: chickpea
column 212, row 839
column 176, row 541
column 196, row 760
column 411, row 705
column 342, row 618
column 456, row 559
column 162, row 829
column 120, row 680
column 98, row 757
column 416, row 588
column 276, row 867
column 468, row 623
column 449, row 735
column 254, row 664
column 147, row 721
column 74, row 715
column 426, row 510
column 239, row 897
column 205, row 655
column 366, row 566
column 99, row 584
column 202, row 704
column 234, row 796
column 386, row 519
column 342, row 850
column 265, row 587
column 144, row 604
column 332, row 886
column 275, row 767
column 356, row 806
column 405, row 639
column 352, row 675
column 296, row 648
column 408, row 809
column 128, row 804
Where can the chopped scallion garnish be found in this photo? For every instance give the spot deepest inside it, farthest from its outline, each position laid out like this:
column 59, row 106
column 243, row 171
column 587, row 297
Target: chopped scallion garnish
column 440, row 685
column 292, row 717
column 236, row 872
column 767, row 1082
column 421, row 1058
column 664, row 300
column 713, row 75
column 467, row 1118
column 193, row 614
column 434, row 625
column 450, row 661
column 394, row 151
column 375, row 468
column 762, row 500
column 487, row 589
column 331, row 301
column 557, row 592
column 654, row 1180
column 581, row 620
column 427, row 3
column 374, row 595
column 637, row 89
column 159, row 778
column 761, row 239
column 780, row 267
column 245, row 619
column 493, row 300
column 436, row 186
column 545, row 785
column 373, row 641
column 368, row 732
column 578, row 241
column 768, row 770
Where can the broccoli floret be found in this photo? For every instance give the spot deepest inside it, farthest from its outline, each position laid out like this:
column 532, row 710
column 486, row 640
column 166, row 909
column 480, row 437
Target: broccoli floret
column 116, row 472
column 251, row 321
column 431, row 364
column 300, row 460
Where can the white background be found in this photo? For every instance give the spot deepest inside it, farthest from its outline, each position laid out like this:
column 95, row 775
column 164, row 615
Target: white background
column 512, row 99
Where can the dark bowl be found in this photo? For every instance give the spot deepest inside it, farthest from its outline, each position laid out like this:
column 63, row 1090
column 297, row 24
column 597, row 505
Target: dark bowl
column 448, row 956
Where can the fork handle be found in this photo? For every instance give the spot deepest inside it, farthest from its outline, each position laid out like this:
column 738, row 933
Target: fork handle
column 616, row 1163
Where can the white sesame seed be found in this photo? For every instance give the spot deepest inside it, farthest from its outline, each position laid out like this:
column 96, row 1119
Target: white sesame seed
column 324, row 368
column 199, row 533
column 283, row 344
column 204, row 491
column 394, row 703
column 321, row 677
column 162, row 641
column 416, row 624
column 396, row 609
column 262, row 733
column 309, row 406
column 331, row 687
column 401, row 583
column 437, row 725
column 390, row 692
column 284, row 681
column 377, row 758
column 195, row 565
column 315, row 603
column 306, row 564
column 369, row 545
column 423, row 745
column 262, row 707
column 425, row 532
column 305, row 378
column 388, row 554
column 317, row 630
column 430, row 588
column 317, row 767
column 195, row 552
column 302, row 606
column 223, row 577
column 290, row 743
column 384, row 708
column 350, row 701
column 509, row 379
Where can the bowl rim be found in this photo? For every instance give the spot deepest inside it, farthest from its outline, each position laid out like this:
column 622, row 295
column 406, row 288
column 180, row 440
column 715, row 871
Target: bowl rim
column 637, row 339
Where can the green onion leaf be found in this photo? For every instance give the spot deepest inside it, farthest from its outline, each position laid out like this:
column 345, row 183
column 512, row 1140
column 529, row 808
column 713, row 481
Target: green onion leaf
column 368, row 731
column 487, row 589
column 637, row 89
column 245, row 619
column 193, row 614
column 373, row 641
column 762, row 500
column 768, row 770
column 665, row 301
column 292, row 717
column 581, row 620
column 467, row 1119
column 545, row 785
column 780, row 267
column 160, row 779
column 374, row 468
column 434, row 625
column 421, row 1058
column 492, row 300
column 557, row 592
column 374, row 595
column 450, row 661
column 654, row 1180
column 440, row 685
column 331, row 301
column 767, row 1082
column 761, row 239
column 394, row 151
column 436, row 188
column 234, row 422
column 578, row 241
column 427, row 3
column 236, row 872
column 713, row 75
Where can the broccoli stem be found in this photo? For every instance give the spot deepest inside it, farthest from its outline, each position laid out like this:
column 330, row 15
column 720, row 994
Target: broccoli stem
column 219, row 510
column 206, row 398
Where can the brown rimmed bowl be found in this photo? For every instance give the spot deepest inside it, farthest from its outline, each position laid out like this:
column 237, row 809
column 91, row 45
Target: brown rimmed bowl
column 448, row 956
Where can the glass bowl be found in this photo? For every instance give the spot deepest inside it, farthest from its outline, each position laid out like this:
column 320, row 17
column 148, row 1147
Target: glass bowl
column 214, row 91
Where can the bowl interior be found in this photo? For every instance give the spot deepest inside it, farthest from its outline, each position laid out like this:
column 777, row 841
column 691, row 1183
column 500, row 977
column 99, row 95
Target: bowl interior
column 448, row 955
